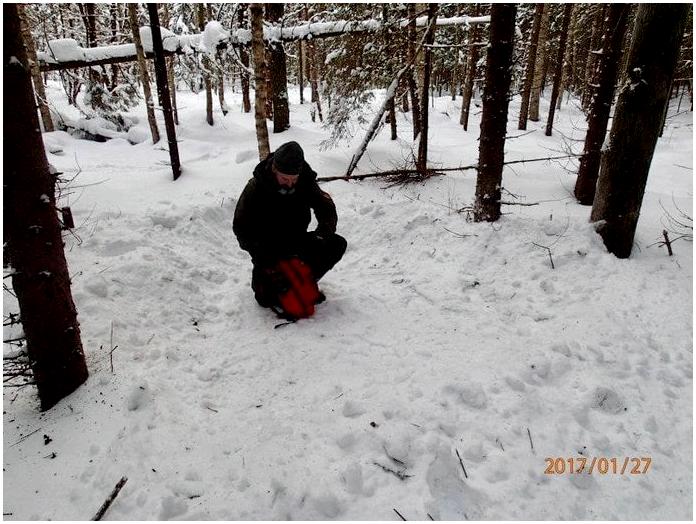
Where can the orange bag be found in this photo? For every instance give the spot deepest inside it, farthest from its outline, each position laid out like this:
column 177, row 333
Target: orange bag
column 302, row 292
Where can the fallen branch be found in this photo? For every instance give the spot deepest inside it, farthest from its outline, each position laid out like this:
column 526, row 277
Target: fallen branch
column 461, row 463
column 530, row 439
column 552, row 265
column 505, row 203
column 394, row 172
column 110, row 499
column 25, row 437
column 399, row 474
column 667, row 242
column 399, row 514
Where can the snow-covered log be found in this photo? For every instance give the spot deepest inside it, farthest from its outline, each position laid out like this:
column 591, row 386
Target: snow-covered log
column 67, row 54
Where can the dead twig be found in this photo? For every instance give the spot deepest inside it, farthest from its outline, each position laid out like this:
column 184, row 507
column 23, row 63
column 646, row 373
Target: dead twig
column 530, row 439
column 399, row 514
column 549, row 251
column 25, row 437
column 110, row 499
column 461, row 463
column 398, row 474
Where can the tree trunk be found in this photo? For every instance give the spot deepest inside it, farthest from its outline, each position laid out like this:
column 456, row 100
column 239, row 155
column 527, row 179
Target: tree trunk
column 300, row 69
column 244, row 59
column 144, row 75
column 39, row 89
column 598, row 118
column 279, row 75
column 495, row 108
column 468, row 91
column 567, row 14
column 163, row 89
column 625, row 164
column 422, row 161
column 566, row 82
column 170, row 72
column 114, row 39
column 539, row 66
column 531, row 60
column 412, row 85
column 590, row 63
column 40, row 277
column 207, row 69
column 258, row 48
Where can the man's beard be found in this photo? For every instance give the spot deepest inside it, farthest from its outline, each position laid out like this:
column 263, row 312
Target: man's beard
column 286, row 190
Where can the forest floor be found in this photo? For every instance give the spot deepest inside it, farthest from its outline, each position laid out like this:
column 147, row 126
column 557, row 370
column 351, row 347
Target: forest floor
column 449, row 361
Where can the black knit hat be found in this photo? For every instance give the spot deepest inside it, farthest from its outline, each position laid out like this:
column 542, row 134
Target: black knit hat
column 289, row 158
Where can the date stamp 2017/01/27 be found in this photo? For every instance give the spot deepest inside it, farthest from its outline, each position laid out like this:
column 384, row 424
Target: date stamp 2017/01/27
column 600, row 465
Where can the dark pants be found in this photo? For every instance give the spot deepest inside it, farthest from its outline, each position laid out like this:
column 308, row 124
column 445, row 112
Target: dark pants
column 320, row 254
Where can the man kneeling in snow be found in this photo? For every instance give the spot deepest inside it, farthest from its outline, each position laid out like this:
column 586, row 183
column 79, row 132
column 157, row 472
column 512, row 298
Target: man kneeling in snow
column 271, row 221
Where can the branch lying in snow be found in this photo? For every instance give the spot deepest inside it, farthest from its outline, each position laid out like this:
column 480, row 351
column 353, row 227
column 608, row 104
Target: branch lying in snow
column 552, row 267
column 111, row 498
column 399, row 474
column 399, row 514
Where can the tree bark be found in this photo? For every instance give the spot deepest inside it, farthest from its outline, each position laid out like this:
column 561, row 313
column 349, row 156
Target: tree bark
column 144, row 75
column 468, row 91
column 598, row 118
column 495, row 108
column 258, row 48
column 244, row 59
column 207, row 69
column 422, row 161
column 531, row 60
column 412, row 85
column 300, row 69
column 567, row 14
column 170, row 73
column 163, row 89
column 40, row 277
column 39, row 89
column 625, row 165
column 279, row 75
column 539, row 66
column 590, row 63
column 566, row 82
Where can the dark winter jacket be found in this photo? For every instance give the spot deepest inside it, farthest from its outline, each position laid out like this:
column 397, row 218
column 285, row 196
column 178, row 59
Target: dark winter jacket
column 269, row 224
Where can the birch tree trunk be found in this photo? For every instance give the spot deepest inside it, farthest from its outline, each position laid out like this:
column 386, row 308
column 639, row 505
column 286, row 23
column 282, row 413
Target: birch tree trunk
column 539, row 66
column 651, row 64
column 39, row 88
column 529, row 71
column 40, row 277
column 598, row 119
column 258, row 49
column 144, row 75
column 567, row 14
column 495, row 108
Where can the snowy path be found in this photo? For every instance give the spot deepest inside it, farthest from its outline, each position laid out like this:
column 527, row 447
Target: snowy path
column 431, row 343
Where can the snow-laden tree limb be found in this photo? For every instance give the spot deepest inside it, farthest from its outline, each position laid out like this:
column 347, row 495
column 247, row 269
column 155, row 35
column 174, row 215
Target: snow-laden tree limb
column 67, row 54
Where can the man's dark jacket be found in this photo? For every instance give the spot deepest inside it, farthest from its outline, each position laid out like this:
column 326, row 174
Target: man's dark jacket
column 269, row 224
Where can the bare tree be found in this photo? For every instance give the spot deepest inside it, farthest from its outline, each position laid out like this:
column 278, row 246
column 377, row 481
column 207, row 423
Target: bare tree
column 144, row 75
column 163, row 89
column 40, row 277
column 529, row 71
column 598, row 119
column 495, row 108
column 567, row 14
column 540, row 64
column 256, row 11
column 207, row 66
column 422, row 161
column 651, row 64
column 471, row 61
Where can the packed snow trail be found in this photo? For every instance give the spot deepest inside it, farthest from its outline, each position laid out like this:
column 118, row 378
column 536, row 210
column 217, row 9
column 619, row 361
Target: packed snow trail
column 439, row 338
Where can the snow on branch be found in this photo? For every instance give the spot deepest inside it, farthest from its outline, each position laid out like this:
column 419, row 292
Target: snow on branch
column 65, row 53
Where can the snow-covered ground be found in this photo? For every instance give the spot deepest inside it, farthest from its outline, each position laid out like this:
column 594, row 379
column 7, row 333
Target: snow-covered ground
column 441, row 340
